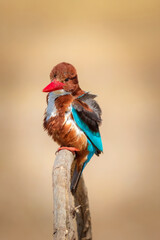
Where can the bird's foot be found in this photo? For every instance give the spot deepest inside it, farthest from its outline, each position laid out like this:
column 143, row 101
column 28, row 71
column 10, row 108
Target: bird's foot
column 71, row 149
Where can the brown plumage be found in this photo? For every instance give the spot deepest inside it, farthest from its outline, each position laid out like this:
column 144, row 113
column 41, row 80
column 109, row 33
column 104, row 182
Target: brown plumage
column 62, row 132
column 65, row 71
column 65, row 93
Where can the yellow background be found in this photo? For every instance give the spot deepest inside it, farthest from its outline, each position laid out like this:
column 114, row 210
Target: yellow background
column 114, row 46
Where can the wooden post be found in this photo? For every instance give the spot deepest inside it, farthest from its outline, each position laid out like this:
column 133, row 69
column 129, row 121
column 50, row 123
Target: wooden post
column 67, row 206
column 83, row 217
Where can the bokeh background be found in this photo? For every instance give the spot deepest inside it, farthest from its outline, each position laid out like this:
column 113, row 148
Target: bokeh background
column 114, row 46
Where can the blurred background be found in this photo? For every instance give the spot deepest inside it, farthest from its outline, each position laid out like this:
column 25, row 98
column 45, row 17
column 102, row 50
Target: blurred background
column 114, row 46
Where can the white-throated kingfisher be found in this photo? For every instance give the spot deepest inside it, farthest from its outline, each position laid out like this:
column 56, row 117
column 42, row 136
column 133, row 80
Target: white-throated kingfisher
column 72, row 117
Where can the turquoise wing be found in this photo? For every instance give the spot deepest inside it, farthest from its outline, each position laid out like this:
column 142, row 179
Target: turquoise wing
column 94, row 136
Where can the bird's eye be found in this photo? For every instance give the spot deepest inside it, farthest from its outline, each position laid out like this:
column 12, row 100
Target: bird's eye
column 55, row 75
column 67, row 79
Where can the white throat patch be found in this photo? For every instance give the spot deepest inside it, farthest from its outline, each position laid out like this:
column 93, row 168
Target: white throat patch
column 51, row 108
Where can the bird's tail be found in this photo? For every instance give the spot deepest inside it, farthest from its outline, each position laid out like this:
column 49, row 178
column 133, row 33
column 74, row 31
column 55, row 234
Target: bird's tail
column 75, row 179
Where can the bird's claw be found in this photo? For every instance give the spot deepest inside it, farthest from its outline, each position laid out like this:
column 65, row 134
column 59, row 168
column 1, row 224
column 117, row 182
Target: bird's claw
column 71, row 149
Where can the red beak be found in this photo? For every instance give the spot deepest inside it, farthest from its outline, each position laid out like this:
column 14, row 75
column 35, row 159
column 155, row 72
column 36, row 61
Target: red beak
column 53, row 86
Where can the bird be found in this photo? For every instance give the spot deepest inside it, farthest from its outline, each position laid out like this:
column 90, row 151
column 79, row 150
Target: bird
column 72, row 118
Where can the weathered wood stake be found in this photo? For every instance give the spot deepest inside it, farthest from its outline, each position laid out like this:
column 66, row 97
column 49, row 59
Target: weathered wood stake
column 67, row 206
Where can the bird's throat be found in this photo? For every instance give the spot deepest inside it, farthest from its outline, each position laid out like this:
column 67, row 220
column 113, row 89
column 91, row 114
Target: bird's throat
column 51, row 110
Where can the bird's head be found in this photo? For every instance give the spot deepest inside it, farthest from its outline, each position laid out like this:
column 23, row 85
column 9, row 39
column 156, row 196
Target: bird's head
column 63, row 76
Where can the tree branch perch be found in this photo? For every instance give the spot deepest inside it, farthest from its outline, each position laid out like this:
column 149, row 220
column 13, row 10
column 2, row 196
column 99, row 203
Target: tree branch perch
column 66, row 206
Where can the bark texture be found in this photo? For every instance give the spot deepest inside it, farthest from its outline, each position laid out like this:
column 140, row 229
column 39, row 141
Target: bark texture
column 63, row 199
column 66, row 206
column 83, row 216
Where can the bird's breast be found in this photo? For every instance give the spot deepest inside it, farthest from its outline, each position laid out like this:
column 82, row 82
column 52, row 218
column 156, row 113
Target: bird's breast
column 71, row 134
column 60, row 123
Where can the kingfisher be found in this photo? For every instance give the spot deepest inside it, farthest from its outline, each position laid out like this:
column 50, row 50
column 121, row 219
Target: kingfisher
column 72, row 118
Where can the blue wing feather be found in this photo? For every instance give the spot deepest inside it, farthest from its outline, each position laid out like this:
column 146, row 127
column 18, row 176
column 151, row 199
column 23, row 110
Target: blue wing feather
column 94, row 137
